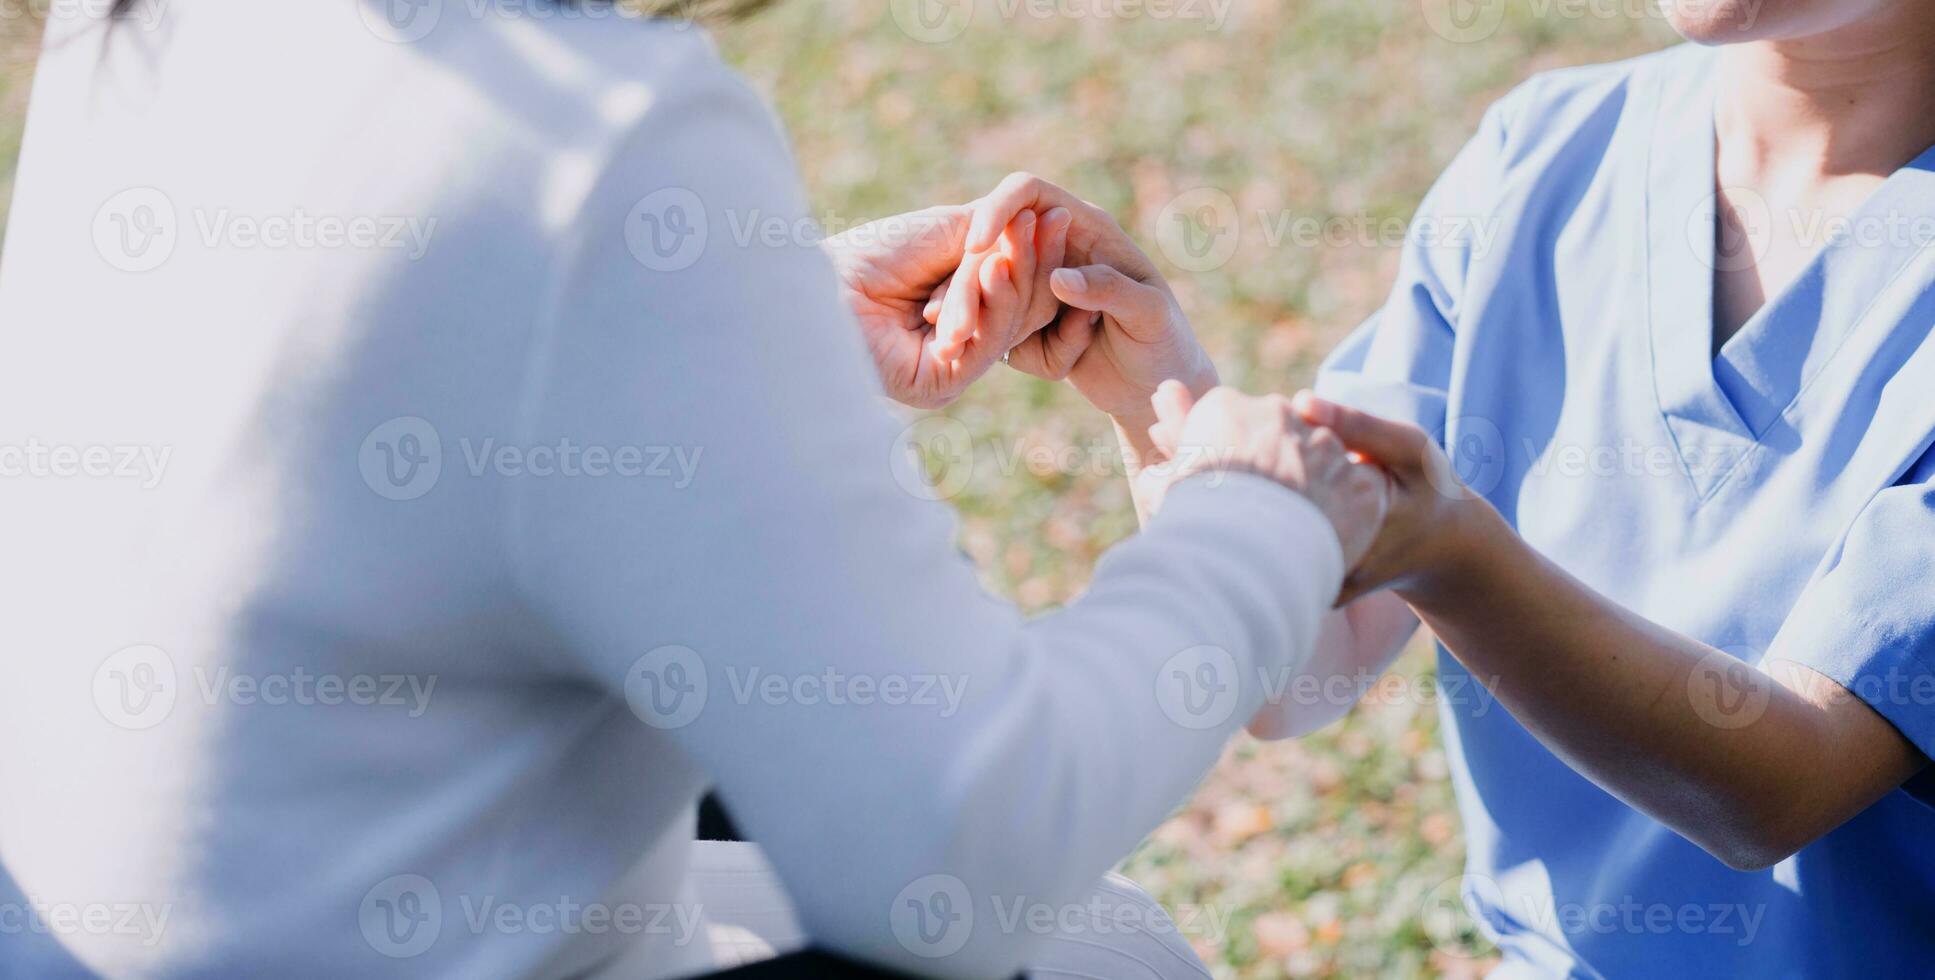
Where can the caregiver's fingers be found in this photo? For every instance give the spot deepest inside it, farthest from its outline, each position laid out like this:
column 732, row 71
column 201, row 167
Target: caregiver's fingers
column 1395, row 445
column 1142, row 309
column 1051, row 353
column 1051, row 250
column 1016, row 193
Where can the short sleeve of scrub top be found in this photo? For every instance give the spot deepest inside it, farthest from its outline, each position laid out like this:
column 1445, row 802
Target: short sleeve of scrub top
column 1551, row 319
column 1399, row 364
column 1867, row 621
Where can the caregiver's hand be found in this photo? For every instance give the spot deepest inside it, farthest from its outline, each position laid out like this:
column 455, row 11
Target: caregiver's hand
column 1610, row 692
column 1433, row 517
column 889, row 269
column 1230, row 431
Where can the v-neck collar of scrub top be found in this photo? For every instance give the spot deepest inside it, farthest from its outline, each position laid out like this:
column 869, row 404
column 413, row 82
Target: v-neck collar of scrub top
column 1719, row 407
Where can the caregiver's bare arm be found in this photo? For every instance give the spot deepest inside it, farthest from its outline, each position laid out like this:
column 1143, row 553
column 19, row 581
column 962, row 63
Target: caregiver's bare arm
column 1611, row 693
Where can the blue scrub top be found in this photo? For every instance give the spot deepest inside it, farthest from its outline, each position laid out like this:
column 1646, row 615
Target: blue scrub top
column 1552, row 322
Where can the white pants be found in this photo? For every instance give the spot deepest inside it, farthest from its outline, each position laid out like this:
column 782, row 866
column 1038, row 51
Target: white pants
column 751, row 919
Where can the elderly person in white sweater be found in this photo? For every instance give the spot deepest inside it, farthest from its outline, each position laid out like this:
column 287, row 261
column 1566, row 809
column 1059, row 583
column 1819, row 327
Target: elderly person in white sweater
column 421, row 486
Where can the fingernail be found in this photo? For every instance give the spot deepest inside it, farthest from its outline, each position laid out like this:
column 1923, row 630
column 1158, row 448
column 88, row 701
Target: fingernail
column 1070, row 279
column 1001, row 271
column 1057, row 216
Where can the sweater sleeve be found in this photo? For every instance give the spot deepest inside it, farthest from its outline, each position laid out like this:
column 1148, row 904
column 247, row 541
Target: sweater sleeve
column 783, row 606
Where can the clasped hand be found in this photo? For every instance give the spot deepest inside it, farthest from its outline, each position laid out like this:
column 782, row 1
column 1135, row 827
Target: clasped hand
column 1052, row 284
column 1030, row 272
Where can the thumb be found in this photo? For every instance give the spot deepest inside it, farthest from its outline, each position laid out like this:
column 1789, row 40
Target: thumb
column 1142, row 309
column 1395, row 445
column 1173, row 403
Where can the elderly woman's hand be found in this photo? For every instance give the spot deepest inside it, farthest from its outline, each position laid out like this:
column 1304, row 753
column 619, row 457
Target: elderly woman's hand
column 1229, row 431
column 1435, row 521
column 1113, row 328
column 891, row 269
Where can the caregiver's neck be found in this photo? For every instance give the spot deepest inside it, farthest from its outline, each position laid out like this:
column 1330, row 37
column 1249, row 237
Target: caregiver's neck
column 1854, row 100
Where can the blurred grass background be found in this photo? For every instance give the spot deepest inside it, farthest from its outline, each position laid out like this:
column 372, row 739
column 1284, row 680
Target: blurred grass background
column 1315, row 857
column 19, row 41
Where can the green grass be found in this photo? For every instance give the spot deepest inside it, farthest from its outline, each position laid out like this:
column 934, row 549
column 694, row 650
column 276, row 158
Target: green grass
column 19, row 39
column 1319, row 855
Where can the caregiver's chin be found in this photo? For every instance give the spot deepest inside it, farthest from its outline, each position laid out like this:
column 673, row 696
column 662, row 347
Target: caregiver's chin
column 1802, row 21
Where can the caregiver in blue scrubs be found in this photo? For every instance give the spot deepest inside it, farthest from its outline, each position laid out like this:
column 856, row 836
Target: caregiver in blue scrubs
column 1663, row 471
